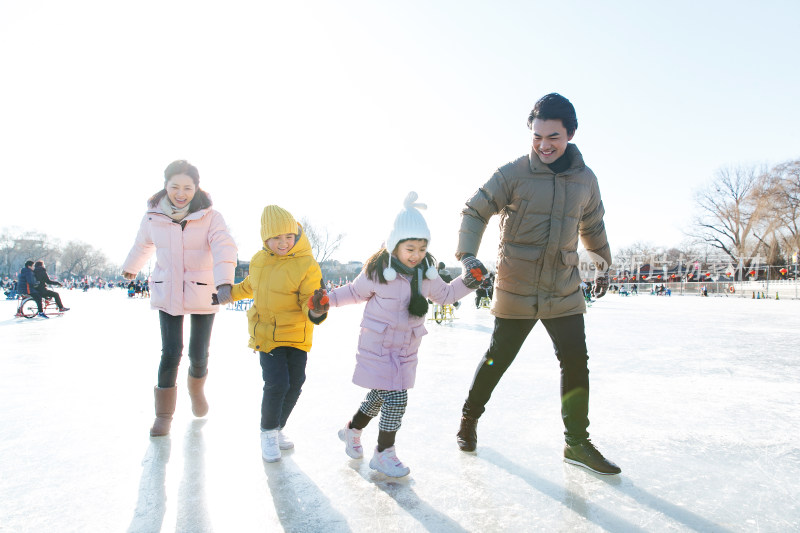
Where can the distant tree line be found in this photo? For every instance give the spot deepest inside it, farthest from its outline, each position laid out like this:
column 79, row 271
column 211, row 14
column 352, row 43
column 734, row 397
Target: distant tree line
column 72, row 259
column 748, row 212
column 746, row 222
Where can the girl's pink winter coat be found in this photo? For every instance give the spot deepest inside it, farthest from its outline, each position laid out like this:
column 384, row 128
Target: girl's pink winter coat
column 386, row 358
column 190, row 262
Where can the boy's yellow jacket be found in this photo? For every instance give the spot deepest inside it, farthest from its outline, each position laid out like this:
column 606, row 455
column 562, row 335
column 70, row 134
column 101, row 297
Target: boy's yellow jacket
column 280, row 287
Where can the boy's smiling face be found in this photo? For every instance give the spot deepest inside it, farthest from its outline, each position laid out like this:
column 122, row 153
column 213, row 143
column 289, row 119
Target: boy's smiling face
column 281, row 244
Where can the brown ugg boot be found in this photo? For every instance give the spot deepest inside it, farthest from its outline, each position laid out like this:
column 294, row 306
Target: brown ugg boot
column 199, row 403
column 165, row 408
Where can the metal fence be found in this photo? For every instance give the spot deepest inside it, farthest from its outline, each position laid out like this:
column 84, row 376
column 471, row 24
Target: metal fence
column 781, row 289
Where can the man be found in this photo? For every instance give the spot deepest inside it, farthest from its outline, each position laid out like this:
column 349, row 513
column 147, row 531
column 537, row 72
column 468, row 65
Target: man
column 43, row 281
column 546, row 200
column 26, row 284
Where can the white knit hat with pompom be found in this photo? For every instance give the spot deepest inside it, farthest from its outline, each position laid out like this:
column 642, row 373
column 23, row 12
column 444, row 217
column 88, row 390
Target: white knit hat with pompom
column 409, row 224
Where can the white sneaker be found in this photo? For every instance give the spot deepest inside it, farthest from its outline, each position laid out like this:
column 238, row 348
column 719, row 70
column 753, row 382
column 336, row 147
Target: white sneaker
column 352, row 441
column 284, row 442
column 270, row 450
column 388, row 463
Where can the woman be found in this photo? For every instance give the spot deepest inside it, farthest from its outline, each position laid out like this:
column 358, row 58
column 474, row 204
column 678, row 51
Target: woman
column 194, row 254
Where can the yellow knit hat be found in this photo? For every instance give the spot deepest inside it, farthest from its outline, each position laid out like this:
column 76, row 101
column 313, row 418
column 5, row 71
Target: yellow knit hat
column 276, row 221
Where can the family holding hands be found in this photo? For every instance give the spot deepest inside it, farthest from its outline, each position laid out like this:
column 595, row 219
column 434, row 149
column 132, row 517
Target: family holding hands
column 546, row 200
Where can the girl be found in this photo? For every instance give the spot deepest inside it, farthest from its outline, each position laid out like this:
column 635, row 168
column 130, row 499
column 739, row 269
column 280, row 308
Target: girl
column 194, row 253
column 392, row 328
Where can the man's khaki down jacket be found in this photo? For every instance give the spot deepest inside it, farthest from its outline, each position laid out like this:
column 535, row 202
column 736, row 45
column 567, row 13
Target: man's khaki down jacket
column 542, row 214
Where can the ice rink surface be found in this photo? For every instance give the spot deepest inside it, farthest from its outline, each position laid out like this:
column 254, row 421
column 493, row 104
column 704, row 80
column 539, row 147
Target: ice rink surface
column 695, row 398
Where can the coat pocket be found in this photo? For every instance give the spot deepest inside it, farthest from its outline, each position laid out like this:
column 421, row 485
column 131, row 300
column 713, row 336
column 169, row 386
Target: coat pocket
column 515, row 219
column 414, row 340
column 290, row 327
column 569, row 277
column 569, row 258
column 197, row 295
column 372, row 339
column 519, row 268
column 159, row 294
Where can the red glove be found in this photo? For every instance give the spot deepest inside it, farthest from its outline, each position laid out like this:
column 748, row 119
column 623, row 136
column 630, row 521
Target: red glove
column 318, row 302
column 475, row 271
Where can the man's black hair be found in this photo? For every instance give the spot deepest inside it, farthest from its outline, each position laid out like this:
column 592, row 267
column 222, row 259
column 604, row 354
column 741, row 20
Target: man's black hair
column 28, row 263
column 553, row 106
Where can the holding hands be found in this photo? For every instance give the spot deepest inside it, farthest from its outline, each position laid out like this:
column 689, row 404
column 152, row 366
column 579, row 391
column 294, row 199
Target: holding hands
column 474, row 271
column 223, row 295
column 318, row 303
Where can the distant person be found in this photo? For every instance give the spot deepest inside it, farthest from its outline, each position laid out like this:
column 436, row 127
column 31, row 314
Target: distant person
column 485, row 290
column 395, row 283
column 549, row 199
column 283, row 279
column 26, row 284
column 444, row 273
column 194, row 254
column 43, row 281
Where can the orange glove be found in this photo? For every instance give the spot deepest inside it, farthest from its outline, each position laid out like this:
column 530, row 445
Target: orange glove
column 318, row 302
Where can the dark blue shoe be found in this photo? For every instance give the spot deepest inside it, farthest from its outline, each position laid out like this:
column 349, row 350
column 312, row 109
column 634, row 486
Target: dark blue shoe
column 42, row 315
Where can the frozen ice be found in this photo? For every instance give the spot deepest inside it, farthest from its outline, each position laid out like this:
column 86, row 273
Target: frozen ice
column 695, row 398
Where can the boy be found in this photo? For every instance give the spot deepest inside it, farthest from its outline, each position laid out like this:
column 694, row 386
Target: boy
column 283, row 280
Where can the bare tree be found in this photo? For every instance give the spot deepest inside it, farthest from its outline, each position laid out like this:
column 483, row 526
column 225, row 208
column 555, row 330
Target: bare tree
column 323, row 244
column 785, row 203
column 17, row 246
column 80, row 259
column 731, row 208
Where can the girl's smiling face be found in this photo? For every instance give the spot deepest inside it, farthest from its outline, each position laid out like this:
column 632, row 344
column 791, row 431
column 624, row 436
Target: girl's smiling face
column 282, row 244
column 180, row 190
column 411, row 252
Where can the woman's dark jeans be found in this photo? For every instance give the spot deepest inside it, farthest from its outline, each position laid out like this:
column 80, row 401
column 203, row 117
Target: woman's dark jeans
column 284, row 372
column 569, row 342
column 172, row 346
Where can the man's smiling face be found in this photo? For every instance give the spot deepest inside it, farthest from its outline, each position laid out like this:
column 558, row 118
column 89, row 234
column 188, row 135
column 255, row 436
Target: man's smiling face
column 550, row 139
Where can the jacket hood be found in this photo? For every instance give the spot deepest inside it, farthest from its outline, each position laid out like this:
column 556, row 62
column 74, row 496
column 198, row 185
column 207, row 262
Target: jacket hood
column 302, row 247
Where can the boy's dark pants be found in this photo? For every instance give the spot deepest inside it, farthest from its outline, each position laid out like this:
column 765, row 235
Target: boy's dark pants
column 569, row 342
column 284, row 372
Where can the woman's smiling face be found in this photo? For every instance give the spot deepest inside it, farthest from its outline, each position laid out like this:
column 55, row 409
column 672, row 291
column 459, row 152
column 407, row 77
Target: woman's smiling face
column 180, row 190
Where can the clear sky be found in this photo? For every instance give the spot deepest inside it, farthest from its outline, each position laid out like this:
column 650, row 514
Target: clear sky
column 335, row 110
